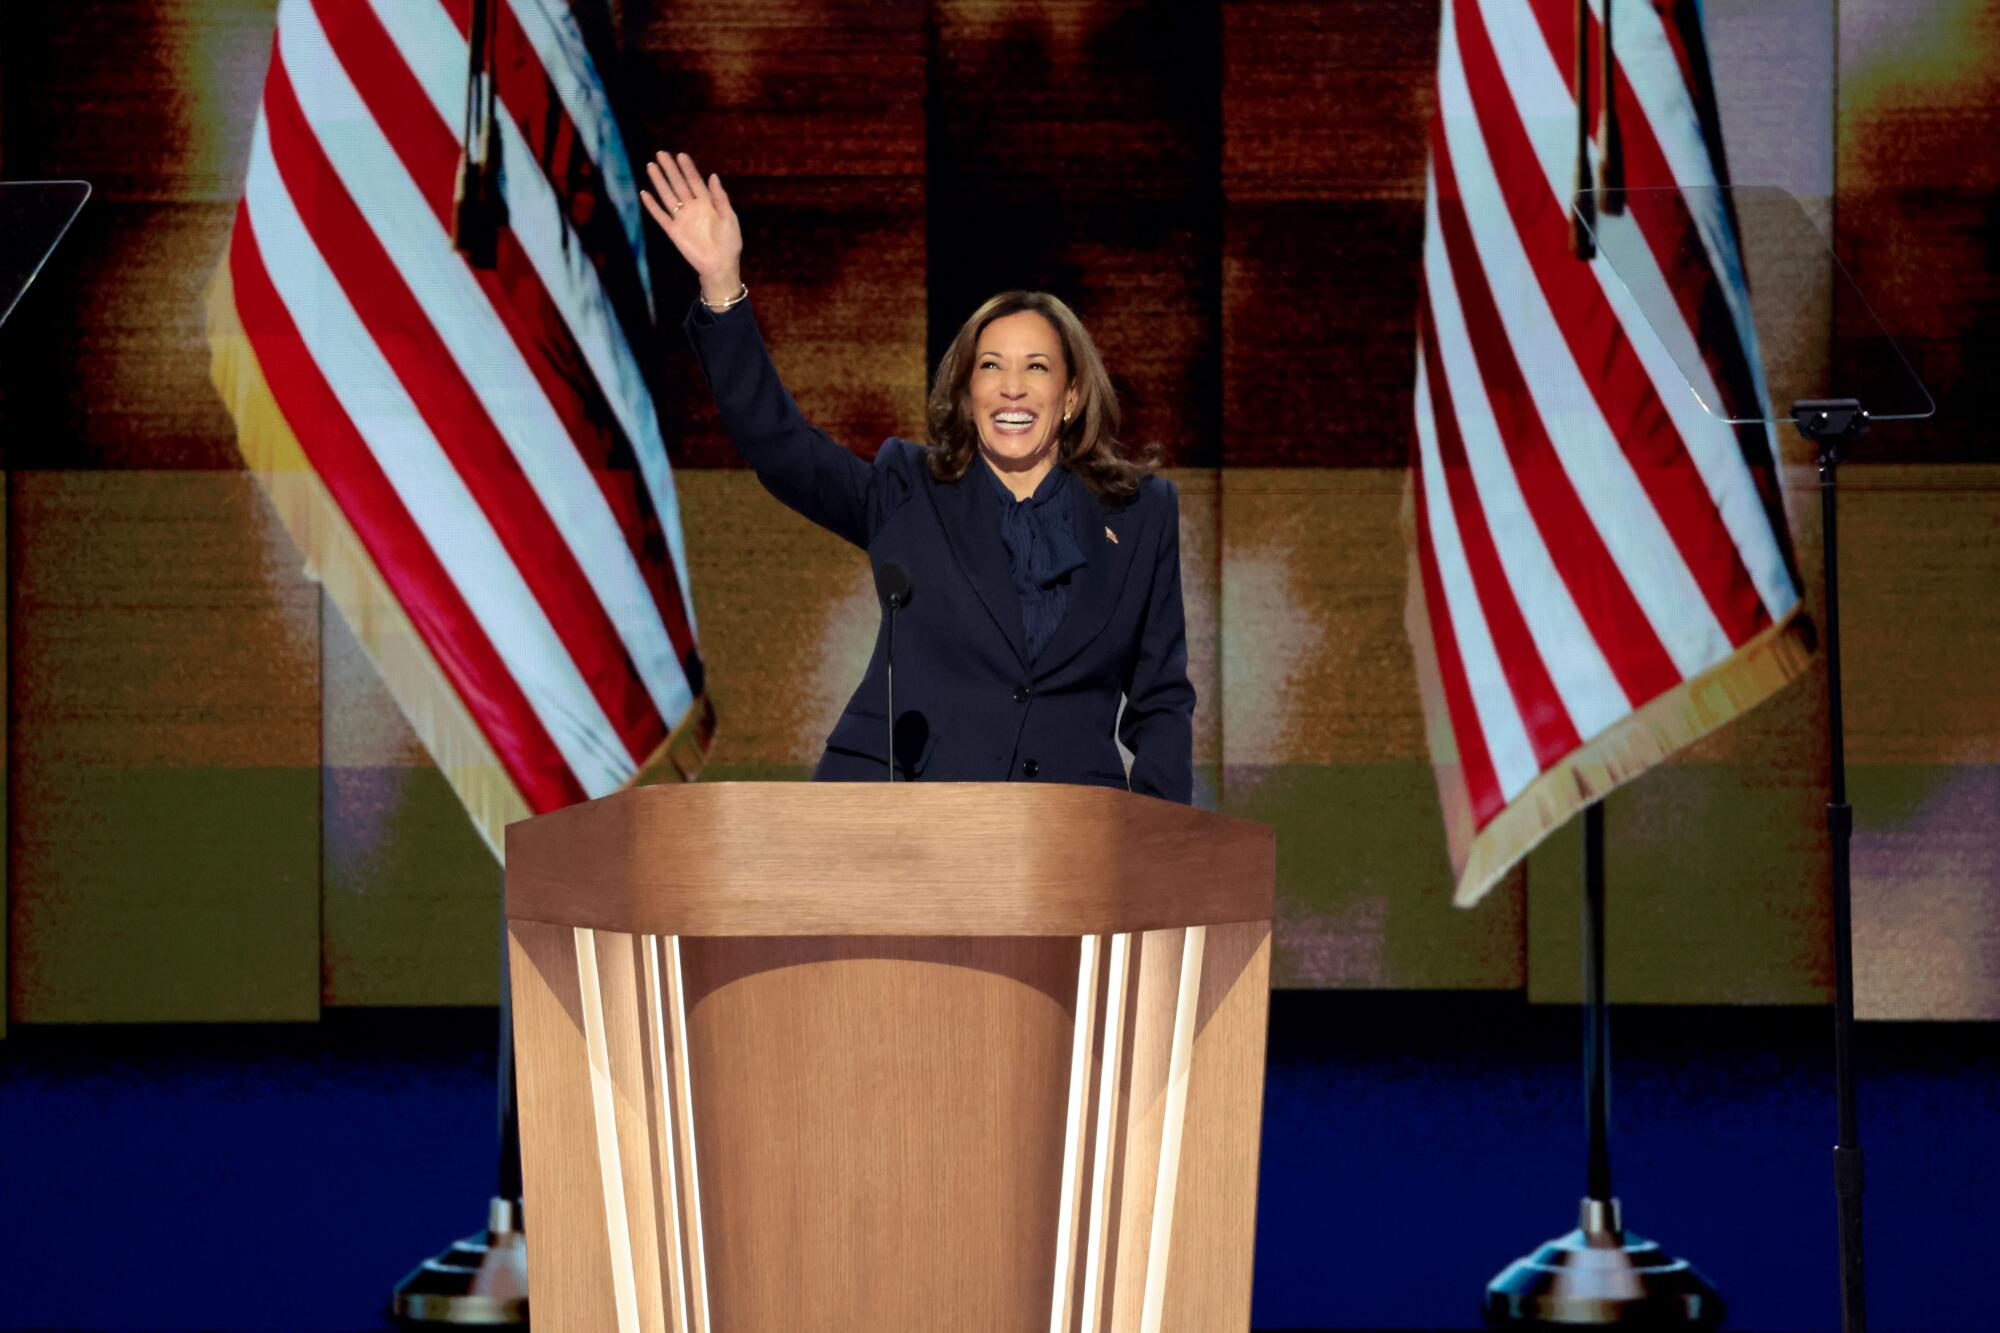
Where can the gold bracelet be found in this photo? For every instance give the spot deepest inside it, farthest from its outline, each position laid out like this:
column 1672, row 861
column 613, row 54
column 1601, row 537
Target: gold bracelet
column 742, row 294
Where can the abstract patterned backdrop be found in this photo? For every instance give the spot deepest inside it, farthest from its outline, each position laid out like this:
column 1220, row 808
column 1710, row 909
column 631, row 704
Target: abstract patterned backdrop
column 213, row 811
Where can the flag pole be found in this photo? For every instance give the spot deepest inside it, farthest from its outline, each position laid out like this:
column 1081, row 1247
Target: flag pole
column 1596, row 1027
column 479, row 209
column 1610, row 144
column 1600, row 1273
column 1582, row 213
column 482, row 1279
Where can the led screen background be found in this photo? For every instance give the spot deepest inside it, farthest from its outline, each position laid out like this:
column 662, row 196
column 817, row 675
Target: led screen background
column 214, row 812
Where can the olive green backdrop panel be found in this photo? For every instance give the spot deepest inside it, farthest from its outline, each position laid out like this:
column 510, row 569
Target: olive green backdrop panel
column 410, row 912
column 1706, row 902
column 410, row 896
column 1715, row 893
column 167, row 895
column 1364, row 887
column 1919, row 622
column 757, row 773
column 164, row 798
column 1926, row 890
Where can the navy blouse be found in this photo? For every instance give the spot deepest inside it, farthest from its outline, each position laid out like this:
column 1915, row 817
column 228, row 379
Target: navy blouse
column 1041, row 549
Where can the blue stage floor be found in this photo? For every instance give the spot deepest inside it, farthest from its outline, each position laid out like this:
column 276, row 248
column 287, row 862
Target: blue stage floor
column 282, row 1178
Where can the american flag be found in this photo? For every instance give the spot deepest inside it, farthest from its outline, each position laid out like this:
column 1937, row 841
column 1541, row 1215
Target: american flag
column 1601, row 570
column 469, row 452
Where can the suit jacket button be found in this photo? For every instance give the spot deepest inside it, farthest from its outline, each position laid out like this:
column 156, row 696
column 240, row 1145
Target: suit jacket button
column 1021, row 694
column 1029, row 768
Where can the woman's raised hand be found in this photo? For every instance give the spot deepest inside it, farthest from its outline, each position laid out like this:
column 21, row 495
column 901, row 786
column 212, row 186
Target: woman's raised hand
column 697, row 218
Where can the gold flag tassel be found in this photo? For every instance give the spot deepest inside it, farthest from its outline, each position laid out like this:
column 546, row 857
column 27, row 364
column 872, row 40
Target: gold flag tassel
column 479, row 210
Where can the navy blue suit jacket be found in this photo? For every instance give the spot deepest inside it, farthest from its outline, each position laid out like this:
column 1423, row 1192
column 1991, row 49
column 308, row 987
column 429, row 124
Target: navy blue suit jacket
column 970, row 704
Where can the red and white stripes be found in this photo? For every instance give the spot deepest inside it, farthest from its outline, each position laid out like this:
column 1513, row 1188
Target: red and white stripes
column 1589, row 539
column 490, row 435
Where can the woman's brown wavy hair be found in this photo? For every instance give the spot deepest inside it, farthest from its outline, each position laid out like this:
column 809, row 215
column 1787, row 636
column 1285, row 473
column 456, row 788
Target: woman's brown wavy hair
column 1087, row 443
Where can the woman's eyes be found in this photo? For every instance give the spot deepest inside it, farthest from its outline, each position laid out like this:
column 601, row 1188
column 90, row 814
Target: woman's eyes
column 1032, row 365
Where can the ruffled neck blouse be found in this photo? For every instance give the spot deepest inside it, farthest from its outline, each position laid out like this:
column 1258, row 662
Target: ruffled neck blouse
column 1042, row 552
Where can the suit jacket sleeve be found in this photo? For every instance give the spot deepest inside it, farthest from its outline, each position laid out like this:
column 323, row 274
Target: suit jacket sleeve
column 797, row 462
column 1158, row 725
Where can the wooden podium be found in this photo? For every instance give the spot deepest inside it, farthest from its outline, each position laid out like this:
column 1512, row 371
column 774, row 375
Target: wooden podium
column 934, row 1056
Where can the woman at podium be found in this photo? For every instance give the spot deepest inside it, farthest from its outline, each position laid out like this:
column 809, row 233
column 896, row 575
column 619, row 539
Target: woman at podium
column 1044, row 563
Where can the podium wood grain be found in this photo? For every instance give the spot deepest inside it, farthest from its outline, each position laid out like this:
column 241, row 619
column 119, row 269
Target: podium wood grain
column 966, row 858
column 837, row 1057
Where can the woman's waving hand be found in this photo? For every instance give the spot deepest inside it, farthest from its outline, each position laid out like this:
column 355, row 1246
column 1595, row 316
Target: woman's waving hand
column 696, row 216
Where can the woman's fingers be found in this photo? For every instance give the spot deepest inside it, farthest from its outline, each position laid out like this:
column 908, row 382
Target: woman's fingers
column 697, row 192
column 678, row 183
column 660, row 215
column 663, row 183
column 676, row 180
column 662, row 187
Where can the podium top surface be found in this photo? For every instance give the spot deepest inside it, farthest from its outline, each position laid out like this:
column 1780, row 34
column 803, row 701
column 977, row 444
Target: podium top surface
column 966, row 858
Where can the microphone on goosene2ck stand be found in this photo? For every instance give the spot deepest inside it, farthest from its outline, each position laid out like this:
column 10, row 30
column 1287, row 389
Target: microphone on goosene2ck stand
column 892, row 584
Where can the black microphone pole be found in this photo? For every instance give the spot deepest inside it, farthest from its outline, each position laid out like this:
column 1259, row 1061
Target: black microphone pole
column 889, row 690
column 892, row 583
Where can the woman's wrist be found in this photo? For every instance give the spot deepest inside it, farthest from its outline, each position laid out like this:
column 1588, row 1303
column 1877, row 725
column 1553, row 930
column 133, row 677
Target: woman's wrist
column 719, row 289
column 718, row 307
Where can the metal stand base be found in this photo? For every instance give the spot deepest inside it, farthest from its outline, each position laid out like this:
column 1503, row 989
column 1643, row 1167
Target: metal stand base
column 1602, row 1274
column 481, row 1280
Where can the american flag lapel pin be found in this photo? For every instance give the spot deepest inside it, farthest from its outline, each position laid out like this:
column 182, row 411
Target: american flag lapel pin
column 1112, row 535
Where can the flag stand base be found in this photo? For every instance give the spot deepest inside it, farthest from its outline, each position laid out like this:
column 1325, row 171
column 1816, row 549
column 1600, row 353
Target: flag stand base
column 480, row 1280
column 1601, row 1274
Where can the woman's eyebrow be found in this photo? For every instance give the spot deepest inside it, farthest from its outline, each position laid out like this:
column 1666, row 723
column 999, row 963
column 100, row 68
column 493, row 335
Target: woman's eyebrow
column 1001, row 356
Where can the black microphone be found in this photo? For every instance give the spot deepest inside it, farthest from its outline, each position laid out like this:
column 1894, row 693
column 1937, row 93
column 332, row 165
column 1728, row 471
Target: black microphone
column 892, row 584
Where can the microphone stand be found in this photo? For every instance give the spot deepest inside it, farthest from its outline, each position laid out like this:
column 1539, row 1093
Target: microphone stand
column 889, row 676
column 892, row 584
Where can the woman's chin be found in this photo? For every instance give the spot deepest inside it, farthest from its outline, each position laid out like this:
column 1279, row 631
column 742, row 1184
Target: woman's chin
column 1013, row 453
